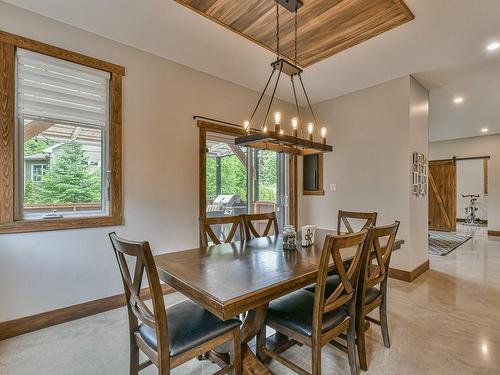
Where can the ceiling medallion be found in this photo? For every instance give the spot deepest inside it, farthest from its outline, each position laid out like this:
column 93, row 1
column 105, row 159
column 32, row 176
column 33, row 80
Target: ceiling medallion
column 276, row 139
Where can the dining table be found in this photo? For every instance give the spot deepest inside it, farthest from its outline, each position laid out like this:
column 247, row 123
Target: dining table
column 241, row 278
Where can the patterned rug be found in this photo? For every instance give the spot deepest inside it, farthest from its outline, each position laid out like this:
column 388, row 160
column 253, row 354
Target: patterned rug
column 441, row 243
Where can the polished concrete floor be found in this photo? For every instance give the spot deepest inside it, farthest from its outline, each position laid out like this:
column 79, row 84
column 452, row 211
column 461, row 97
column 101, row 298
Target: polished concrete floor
column 445, row 322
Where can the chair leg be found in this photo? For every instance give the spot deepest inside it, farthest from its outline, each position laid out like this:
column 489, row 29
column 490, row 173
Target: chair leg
column 383, row 323
column 360, row 332
column 351, row 347
column 316, row 359
column 235, row 354
column 134, row 357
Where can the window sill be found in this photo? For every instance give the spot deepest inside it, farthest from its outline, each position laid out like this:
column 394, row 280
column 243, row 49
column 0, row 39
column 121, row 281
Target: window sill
column 23, row 226
column 313, row 192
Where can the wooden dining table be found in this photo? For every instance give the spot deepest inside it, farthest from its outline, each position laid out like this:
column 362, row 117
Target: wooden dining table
column 243, row 277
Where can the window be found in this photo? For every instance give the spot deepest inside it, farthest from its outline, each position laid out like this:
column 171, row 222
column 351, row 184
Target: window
column 62, row 113
column 313, row 174
column 37, row 171
column 235, row 180
column 64, row 135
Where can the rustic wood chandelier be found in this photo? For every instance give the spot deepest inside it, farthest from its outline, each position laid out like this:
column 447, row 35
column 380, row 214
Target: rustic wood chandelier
column 276, row 139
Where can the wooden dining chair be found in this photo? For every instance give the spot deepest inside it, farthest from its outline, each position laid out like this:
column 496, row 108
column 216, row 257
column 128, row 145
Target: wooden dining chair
column 170, row 337
column 344, row 216
column 207, row 232
column 317, row 319
column 249, row 221
column 373, row 287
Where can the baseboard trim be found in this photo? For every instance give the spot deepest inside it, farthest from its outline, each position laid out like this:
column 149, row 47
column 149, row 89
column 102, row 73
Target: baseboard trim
column 494, row 233
column 409, row 276
column 32, row 323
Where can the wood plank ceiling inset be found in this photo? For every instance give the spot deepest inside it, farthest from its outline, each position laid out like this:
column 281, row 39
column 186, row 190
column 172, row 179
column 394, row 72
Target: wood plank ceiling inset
column 326, row 27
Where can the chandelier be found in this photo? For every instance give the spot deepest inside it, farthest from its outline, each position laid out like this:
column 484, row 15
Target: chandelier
column 273, row 136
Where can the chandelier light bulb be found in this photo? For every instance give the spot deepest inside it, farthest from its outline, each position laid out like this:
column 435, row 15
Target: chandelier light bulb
column 295, row 125
column 246, row 124
column 264, row 129
column 282, row 132
column 277, row 117
column 323, row 135
column 310, row 128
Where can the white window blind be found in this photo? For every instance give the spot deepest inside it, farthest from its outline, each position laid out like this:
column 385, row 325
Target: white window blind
column 50, row 88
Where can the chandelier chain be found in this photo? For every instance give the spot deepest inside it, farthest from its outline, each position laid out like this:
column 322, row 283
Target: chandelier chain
column 277, row 31
column 296, row 27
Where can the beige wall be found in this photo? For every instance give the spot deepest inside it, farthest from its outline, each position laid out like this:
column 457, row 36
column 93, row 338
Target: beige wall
column 48, row 270
column 488, row 145
column 373, row 137
column 419, row 142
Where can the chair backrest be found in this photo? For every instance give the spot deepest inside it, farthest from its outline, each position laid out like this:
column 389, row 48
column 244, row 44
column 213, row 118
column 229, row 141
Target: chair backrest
column 346, row 290
column 207, row 232
column 140, row 252
column 376, row 270
column 250, row 219
column 344, row 216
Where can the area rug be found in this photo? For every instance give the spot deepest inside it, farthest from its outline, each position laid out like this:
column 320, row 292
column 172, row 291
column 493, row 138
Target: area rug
column 441, row 243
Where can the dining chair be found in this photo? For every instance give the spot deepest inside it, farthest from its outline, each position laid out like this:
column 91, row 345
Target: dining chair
column 169, row 337
column 373, row 288
column 249, row 221
column 207, row 232
column 344, row 216
column 317, row 319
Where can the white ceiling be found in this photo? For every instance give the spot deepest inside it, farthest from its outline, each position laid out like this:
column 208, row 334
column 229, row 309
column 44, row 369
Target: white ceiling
column 479, row 84
column 445, row 33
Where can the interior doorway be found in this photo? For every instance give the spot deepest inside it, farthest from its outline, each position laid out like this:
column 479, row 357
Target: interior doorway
column 443, row 195
column 458, row 193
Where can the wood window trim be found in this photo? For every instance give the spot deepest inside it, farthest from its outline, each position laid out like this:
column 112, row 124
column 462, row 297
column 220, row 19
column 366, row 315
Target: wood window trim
column 205, row 127
column 8, row 224
column 321, row 190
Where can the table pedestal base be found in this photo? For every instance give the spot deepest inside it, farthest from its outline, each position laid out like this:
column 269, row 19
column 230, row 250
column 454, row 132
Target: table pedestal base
column 251, row 326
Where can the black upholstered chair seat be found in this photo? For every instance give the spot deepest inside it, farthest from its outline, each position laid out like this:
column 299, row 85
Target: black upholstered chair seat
column 371, row 295
column 295, row 311
column 333, row 281
column 189, row 325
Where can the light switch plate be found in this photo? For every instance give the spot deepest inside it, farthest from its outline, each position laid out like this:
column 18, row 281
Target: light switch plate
column 333, row 187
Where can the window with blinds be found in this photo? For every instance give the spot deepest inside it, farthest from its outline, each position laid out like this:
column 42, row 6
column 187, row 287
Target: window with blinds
column 63, row 120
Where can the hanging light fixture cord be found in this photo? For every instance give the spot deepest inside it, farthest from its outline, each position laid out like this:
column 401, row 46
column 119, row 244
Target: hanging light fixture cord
column 272, row 98
column 260, row 99
column 297, row 106
column 309, row 104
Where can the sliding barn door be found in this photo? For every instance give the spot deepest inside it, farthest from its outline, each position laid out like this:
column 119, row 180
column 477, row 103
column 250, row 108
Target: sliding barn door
column 443, row 195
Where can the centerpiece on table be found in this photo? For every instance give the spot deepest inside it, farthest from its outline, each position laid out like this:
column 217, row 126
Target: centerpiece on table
column 289, row 238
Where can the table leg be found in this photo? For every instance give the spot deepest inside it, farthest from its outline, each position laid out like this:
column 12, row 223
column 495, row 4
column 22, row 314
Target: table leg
column 251, row 326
